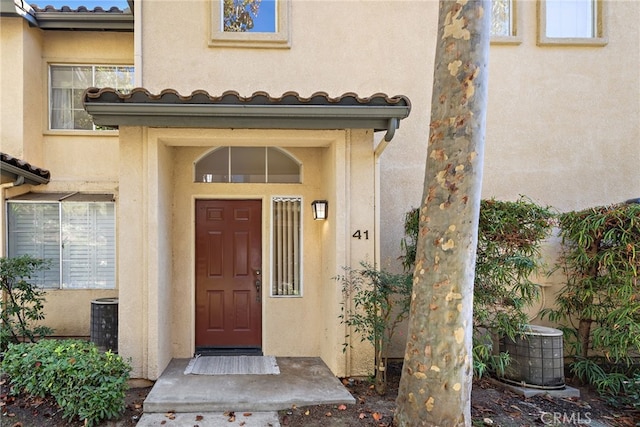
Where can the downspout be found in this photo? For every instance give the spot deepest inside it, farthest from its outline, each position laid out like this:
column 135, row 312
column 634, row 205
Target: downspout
column 377, row 152
column 3, row 222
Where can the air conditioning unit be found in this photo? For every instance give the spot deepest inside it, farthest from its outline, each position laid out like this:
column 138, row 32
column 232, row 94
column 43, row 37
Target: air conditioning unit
column 537, row 358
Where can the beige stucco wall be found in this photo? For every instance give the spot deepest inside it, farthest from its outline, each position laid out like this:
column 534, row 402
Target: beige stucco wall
column 19, row 67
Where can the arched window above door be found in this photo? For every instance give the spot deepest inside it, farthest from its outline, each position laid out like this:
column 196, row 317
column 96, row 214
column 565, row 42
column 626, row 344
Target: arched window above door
column 248, row 165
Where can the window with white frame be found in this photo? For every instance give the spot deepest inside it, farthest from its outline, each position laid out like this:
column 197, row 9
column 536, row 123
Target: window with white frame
column 571, row 22
column 75, row 232
column 286, row 247
column 504, row 23
column 250, row 23
column 248, row 165
column 67, row 84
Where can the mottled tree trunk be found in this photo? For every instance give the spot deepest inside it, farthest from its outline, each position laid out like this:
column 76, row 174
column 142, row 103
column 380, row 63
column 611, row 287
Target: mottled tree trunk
column 435, row 388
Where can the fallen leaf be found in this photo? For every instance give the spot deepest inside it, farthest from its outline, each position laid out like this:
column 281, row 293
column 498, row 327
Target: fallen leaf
column 362, row 415
column 163, row 422
column 247, row 414
column 137, row 406
column 307, row 412
column 377, row 416
column 18, row 424
column 199, row 417
column 170, row 415
column 328, row 414
column 342, row 407
column 242, row 423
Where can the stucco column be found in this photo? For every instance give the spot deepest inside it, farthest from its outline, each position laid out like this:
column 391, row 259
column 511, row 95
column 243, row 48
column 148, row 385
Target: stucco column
column 131, row 232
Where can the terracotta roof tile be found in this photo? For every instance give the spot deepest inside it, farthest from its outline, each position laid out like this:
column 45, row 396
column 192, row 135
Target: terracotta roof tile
column 21, row 164
column 80, row 9
column 171, row 96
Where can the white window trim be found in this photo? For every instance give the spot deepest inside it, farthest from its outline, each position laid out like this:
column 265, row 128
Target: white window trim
column 516, row 23
column 60, row 286
column 49, row 88
column 600, row 38
column 281, row 39
column 271, row 242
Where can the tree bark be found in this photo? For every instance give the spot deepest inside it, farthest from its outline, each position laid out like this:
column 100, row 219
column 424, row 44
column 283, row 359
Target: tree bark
column 435, row 387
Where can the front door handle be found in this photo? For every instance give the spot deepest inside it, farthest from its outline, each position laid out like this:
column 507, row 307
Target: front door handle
column 258, row 283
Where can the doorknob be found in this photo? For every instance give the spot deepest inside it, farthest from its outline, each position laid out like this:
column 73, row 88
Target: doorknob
column 258, row 272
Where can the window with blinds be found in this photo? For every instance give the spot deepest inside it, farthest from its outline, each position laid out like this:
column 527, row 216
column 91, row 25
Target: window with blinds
column 78, row 237
column 287, row 247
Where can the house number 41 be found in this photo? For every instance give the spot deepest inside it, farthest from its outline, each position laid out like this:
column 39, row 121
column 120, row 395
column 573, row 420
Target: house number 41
column 360, row 234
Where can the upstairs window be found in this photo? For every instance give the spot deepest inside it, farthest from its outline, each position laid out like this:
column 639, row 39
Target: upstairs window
column 504, row 28
column 75, row 232
column 250, row 23
column 67, row 83
column 571, row 22
column 248, row 165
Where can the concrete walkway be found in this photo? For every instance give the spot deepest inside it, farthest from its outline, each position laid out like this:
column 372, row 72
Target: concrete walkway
column 180, row 400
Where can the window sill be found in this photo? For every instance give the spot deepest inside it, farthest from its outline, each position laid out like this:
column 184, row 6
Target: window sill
column 73, row 132
column 506, row 40
column 577, row 41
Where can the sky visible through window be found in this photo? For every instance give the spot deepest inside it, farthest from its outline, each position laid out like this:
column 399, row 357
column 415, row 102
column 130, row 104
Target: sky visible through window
column 74, row 4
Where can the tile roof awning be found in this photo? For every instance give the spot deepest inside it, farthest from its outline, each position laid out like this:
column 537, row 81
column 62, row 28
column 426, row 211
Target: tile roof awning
column 258, row 111
column 22, row 172
column 67, row 18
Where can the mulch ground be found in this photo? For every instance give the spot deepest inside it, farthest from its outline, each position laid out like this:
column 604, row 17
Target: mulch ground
column 491, row 405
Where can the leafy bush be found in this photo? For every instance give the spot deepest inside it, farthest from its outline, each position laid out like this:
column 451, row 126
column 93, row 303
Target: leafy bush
column 84, row 382
column 380, row 302
column 599, row 306
column 21, row 305
column 510, row 235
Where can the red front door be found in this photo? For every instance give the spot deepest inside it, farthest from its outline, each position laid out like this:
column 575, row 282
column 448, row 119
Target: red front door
column 228, row 274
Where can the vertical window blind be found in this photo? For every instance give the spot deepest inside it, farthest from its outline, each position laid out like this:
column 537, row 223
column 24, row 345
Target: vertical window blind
column 77, row 237
column 287, row 247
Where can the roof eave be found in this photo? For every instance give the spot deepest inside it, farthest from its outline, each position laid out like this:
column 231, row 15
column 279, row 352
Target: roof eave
column 18, row 8
column 247, row 116
column 90, row 21
column 17, row 174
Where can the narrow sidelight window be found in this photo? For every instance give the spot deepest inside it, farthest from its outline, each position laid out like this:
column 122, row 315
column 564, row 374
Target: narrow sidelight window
column 287, row 247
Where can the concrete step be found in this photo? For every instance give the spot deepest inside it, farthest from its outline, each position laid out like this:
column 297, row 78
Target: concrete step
column 210, row 419
column 302, row 381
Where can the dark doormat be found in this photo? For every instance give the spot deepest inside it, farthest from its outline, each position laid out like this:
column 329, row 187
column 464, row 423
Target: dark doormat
column 228, row 351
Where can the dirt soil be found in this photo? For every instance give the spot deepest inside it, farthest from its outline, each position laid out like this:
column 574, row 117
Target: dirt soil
column 491, row 406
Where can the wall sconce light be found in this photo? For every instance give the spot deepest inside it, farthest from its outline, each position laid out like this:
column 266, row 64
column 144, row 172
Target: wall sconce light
column 320, row 209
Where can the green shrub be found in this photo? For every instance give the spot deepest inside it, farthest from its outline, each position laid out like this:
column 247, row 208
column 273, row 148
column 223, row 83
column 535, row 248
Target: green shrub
column 599, row 306
column 21, row 305
column 510, row 235
column 84, row 382
column 380, row 302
